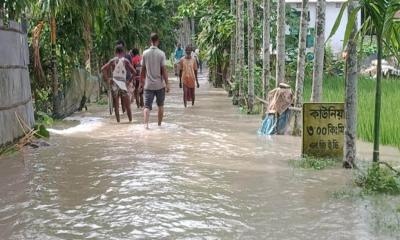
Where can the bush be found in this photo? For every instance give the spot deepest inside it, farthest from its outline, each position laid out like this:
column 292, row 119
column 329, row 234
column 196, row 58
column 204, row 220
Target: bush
column 378, row 180
column 43, row 118
column 41, row 131
column 333, row 65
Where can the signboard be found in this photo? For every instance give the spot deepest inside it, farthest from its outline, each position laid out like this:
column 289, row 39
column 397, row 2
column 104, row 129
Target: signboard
column 323, row 129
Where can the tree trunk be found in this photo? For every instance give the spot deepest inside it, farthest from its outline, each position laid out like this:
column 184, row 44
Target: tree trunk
column 301, row 63
column 351, row 95
column 233, row 48
column 235, row 98
column 192, row 28
column 54, row 72
column 238, row 96
column 266, row 73
column 250, row 27
column 87, row 36
column 280, row 43
column 241, row 49
column 188, row 32
column 378, row 100
column 318, row 69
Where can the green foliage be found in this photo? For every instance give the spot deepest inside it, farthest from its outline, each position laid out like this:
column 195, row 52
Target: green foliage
column 95, row 22
column 41, row 131
column 378, row 180
column 313, row 163
column 217, row 31
column 8, row 150
column 102, row 101
column 390, row 128
column 43, row 119
column 333, row 65
column 367, row 46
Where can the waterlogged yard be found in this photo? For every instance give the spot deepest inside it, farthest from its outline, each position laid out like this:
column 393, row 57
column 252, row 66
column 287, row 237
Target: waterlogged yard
column 390, row 115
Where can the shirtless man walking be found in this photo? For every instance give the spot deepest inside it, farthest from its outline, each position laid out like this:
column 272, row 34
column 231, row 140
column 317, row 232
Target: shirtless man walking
column 120, row 66
column 154, row 79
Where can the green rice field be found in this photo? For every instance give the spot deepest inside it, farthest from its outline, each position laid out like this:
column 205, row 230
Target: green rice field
column 390, row 115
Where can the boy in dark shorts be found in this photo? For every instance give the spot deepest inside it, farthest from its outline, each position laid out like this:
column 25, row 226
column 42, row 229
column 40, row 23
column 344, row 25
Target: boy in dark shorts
column 137, row 92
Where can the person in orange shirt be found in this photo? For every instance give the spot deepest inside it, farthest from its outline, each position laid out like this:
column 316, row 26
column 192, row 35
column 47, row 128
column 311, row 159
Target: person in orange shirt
column 188, row 75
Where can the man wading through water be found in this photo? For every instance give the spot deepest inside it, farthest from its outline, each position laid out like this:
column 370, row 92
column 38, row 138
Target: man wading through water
column 188, row 73
column 119, row 83
column 152, row 75
column 128, row 75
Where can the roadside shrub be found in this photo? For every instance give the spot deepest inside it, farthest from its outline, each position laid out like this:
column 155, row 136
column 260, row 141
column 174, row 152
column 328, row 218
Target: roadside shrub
column 378, row 180
column 313, row 163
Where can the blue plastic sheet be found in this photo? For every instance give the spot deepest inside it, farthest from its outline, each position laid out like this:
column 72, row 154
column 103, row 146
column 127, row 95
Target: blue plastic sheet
column 274, row 125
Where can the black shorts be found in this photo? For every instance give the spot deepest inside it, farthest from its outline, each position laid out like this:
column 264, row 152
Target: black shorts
column 149, row 98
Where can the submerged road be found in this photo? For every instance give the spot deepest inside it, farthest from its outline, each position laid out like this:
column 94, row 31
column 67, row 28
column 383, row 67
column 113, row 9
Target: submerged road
column 204, row 174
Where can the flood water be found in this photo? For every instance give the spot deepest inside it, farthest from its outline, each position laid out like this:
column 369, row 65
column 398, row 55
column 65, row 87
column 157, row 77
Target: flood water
column 203, row 175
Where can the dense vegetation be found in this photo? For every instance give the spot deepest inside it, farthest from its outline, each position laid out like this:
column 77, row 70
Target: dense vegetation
column 85, row 33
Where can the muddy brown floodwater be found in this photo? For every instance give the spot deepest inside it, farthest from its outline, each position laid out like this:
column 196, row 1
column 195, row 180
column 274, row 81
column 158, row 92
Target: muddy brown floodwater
column 204, row 174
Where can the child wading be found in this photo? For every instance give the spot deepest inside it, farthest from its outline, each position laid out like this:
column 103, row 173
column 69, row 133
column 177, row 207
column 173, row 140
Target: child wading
column 137, row 93
column 188, row 74
column 119, row 83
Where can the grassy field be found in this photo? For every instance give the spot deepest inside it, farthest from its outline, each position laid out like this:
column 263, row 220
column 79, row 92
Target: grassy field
column 390, row 115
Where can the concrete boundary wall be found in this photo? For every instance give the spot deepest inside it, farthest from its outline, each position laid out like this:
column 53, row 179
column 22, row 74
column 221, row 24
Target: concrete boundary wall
column 15, row 87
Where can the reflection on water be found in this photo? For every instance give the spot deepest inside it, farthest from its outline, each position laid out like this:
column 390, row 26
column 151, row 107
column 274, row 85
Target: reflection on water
column 204, row 174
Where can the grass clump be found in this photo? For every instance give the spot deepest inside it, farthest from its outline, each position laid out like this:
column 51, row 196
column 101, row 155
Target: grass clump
column 313, row 163
column 102, row 101
column 378, row 180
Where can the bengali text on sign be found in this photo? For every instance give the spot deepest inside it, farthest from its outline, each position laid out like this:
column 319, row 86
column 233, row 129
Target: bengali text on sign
column 323, row 129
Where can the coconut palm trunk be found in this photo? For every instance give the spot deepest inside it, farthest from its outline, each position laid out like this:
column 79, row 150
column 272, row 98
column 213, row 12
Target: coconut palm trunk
column 233, row 48
column 318, row 69
column 351, row 95
column 192, row 28
column 87, row 36
column 266, row 73
column 250, row 27
column 241, row 49
column 54, row 71
column 280, row 43
column 235, row 99
column 301, row 63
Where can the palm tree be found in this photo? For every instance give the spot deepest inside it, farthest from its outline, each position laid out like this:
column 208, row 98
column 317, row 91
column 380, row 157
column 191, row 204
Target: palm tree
column 240, row 48
column 280, row 43
column 380, row 18
column 351, row 95
column 266, row 73
column 301, row 62
column 318, row 69
column 233, row 48
column 50, row 8
column 250, row 33
column 88, row 10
